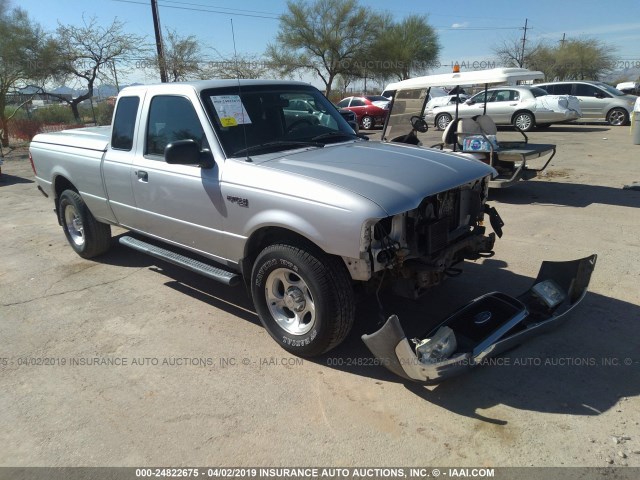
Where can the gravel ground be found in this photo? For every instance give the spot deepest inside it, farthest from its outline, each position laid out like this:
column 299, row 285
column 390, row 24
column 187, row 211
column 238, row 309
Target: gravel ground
column 204, row 384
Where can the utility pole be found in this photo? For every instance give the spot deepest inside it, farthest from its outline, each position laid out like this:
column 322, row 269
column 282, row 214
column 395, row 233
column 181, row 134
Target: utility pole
column 524, row 41
column 115, row 74
column 563, row 40
column 156, row 27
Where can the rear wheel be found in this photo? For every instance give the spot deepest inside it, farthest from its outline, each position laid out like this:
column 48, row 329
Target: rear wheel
column 617, row 117
column 524, row 121
column 367, row 122
column 443, row 120
column 303, row 297
column 87, row 236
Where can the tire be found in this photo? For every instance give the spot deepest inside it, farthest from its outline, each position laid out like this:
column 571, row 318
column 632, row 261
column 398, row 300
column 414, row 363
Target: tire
column 617, row 117
column 88, row 237
column 303, row 297
column 443, row 120
column 367, row 122
column 525, row 121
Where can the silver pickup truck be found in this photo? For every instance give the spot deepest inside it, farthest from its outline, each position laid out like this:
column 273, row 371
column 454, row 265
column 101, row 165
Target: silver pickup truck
column 225, row 178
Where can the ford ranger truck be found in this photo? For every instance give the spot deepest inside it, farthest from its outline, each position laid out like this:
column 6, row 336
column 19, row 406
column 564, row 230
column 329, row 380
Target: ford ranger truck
column 226, row 179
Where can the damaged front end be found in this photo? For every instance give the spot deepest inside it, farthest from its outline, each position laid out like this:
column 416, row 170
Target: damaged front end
column 415, row 250
column 489, row 325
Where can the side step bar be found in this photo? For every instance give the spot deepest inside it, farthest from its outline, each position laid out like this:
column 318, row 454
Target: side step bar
column 209, row 271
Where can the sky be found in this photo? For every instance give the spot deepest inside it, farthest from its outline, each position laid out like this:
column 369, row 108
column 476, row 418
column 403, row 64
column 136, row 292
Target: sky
column 467, row 29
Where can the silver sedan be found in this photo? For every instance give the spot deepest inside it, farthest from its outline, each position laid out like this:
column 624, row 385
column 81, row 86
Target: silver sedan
column 522, row 106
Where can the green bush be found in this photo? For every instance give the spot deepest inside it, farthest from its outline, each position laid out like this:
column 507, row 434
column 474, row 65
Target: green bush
column 51, row 114
column 104, row 113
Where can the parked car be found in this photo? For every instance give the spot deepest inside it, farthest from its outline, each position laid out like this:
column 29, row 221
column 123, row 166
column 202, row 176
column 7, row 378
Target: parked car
column 298, row 109
column 597, row 99
column 371, row 110
column 629, row 87
column 517, row 106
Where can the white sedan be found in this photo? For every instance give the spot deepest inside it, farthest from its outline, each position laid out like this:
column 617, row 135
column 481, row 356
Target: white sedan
column 523, row 106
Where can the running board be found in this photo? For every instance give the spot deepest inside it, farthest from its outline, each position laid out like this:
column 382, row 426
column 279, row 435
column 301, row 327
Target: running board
column 209, row 271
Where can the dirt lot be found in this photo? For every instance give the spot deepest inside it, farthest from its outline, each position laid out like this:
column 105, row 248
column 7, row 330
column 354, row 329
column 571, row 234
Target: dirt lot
column 204, row 384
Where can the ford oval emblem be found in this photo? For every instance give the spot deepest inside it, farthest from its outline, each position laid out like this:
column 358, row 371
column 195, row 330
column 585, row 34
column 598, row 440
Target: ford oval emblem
column 482, row 317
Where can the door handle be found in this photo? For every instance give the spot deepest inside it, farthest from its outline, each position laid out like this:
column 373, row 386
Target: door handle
column 142, row 176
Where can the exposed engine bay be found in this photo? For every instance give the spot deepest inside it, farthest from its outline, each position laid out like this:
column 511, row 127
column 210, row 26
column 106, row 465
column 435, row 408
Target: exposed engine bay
column 419, row 248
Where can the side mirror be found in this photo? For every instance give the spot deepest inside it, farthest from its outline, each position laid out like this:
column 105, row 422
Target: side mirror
column 599, row 95
column 187, row 152
column 469, row 102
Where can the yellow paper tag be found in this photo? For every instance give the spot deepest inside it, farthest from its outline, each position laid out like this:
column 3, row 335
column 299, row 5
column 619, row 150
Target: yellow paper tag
column 228, row 122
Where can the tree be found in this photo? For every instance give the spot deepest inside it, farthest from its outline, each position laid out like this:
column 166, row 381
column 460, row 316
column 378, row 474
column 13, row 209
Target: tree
column 26, row 54
column 405, row 49
column 510, row 53
column 239, row 66
column 326, row 37
column 87, row 53
column 182, row 56
column 573, row 59
column 584, row 59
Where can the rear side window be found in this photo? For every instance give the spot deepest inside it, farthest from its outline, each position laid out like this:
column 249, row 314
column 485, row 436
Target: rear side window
column 584, row 90
column 124, row 123
column 357, row 102
column 172, row 118
column 564, row 89
column 539, row 92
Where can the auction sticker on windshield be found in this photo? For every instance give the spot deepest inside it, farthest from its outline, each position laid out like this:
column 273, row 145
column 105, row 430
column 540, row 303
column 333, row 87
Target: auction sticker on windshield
column 230, row 110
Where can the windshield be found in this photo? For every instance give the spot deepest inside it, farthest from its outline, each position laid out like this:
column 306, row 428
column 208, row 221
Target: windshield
column 267, row 118
column 610, row 89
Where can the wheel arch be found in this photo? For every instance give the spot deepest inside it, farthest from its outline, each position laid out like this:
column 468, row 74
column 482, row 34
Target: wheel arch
column 624, row 110
column 60, row 184
column 523, row 110
column 269, row 235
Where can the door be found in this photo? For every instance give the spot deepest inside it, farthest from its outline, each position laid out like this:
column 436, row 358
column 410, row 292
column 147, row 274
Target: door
column 502, row 104
column 178, row 203
column 593, row 101
column 473, row 108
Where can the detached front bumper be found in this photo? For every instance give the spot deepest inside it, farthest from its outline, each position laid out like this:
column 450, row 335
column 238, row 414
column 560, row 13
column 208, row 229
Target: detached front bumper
column 489, row 325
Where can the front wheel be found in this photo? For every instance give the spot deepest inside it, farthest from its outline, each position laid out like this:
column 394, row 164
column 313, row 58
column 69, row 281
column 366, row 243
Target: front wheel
column 524, row 121
column 443, row 120
column 617, row 117
column 367, row 122
column 303, row 297
column 87, row 236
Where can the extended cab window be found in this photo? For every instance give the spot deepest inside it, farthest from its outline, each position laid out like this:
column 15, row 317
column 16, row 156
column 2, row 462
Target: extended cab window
column 124, row 123
column 172, row 118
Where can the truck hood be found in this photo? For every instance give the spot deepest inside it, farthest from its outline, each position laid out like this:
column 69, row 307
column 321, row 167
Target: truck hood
column 394, row 176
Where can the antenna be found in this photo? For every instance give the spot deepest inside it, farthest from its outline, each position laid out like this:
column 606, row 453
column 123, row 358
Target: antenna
column 235, row 58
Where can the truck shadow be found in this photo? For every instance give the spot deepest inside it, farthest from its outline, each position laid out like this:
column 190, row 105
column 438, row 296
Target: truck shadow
column 578, row 369
column 6, row 179
column 583, row 368
column 567, row 194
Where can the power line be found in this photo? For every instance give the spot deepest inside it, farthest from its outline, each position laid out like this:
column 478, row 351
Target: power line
column 219, row 8
column 164, row 5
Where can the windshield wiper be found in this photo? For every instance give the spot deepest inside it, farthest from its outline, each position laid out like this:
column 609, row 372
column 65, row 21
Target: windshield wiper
column 336, row 134
column 277, row 145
